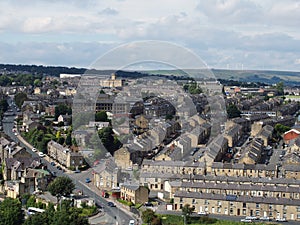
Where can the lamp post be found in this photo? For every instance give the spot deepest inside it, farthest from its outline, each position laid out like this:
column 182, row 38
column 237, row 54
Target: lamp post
column 184, row 219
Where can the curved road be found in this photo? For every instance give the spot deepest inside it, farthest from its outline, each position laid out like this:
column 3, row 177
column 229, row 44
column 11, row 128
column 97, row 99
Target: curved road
column 118, row 215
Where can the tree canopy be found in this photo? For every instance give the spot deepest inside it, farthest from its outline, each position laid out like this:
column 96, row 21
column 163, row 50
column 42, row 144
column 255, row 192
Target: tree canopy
column 11, row 212
column 61, row 186
column 233, row 111
column 20, row 98
column 101, row 116
column 62, row 109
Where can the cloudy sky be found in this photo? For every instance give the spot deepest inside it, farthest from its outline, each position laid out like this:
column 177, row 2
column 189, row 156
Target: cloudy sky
column 234, row 34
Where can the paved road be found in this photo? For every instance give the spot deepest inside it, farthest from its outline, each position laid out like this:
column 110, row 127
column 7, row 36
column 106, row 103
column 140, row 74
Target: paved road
column 117, row 214
column 113, row 214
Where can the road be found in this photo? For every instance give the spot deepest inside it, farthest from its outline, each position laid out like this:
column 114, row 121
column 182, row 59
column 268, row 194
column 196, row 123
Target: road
column 114, row 214
column 118, row 215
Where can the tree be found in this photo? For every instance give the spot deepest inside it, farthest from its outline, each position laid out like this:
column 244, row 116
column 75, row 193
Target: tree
column 101, row 116
column 20, row 98
column 61, row 186
column 187, row 210
column 68, row 140
column 148, row 216
column 11, row 212
column 280, row 88
column 233, row 111
column 62, row 109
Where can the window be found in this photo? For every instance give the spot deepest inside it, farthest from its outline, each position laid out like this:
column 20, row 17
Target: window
column 219, row 203
column 231, row 210
column 193, row 201
column 244, row 211
column 206, row 202
column 180, row 200
column 219, row 209
column 298, row 216
column 244, row 205
column 257, row 212
column 257, row 205
column 270, row 206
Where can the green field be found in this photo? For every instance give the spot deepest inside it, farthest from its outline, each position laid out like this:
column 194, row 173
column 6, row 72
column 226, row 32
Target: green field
column 179, row 220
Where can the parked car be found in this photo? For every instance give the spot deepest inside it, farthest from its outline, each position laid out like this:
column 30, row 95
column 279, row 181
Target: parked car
column 77, row 171
column 281, row 220
column 203, row 213
column 131, row 222
column 111, row 204
column 58, row 167
column 265, row 218
column 88, row 180
column 148, row 204
column 251, row 218
column 41, row 154
column 52, row 163
column 246, row 221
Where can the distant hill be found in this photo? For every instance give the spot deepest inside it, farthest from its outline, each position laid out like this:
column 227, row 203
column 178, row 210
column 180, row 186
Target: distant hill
column 267, row 77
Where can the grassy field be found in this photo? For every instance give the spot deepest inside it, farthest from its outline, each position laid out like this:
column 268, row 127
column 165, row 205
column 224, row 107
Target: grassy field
column 178, row 220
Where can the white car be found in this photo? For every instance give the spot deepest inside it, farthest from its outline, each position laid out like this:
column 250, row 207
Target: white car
column 281, row 220
column 265, row 218
column 251, row 218
column 246, row 220
column 33, row 149
column 203, row 213
column 41, row 154
column 131, row 222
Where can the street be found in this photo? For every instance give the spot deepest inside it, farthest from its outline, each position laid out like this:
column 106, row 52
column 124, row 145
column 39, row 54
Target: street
column 113, row 215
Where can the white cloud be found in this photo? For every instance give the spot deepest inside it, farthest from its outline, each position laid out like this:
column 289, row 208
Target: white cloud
column 257, row 33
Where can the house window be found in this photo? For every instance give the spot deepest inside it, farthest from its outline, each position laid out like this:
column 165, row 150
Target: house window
column 298, row 209
column 244, row 211
column 270, row 206
column 257, row 205
column 193, row 201
column 298, row 216
column 180, row 200
column 244, row 205
column 231, row 210
column 219, row 203
column 206, row 202
column 219, row 210
column 257, row 212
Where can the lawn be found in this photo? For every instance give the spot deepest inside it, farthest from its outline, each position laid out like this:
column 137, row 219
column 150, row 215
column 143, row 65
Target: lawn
column 179, row 220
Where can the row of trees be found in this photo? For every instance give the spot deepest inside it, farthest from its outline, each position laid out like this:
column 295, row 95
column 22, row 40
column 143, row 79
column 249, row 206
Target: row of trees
column 39, row 137
column 11, row 209
column 20, row 79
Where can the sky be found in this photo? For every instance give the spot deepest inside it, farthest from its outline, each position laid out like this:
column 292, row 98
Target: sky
column 228, row 34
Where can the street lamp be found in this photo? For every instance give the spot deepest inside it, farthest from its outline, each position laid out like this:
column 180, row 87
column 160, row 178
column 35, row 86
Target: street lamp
column 184, row 219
